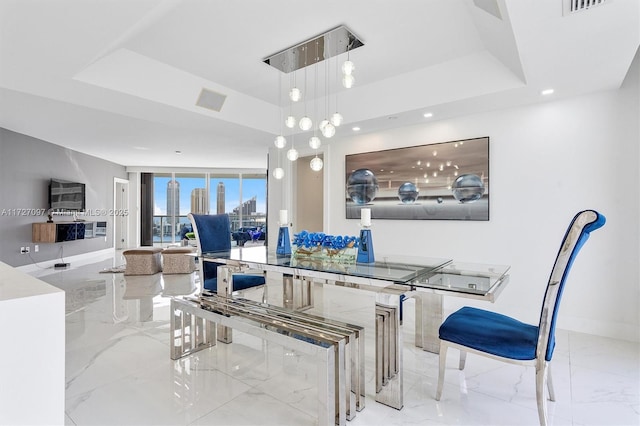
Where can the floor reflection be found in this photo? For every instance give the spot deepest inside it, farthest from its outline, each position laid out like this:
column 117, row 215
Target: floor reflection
column 129, row 298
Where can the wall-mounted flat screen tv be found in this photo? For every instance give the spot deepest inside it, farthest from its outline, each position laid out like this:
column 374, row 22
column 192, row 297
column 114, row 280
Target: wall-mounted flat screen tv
column 66, row 196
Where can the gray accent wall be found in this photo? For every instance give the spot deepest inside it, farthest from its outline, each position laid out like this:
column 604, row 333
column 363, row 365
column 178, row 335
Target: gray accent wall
column 26, row 166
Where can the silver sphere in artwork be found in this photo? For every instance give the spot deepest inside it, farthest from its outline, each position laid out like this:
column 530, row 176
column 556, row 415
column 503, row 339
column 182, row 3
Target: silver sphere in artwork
column 408, row 193
column 439, row 200
column 467, row 188
column 362, row 186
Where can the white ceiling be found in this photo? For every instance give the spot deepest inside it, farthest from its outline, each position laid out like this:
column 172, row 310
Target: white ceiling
column 119, row 79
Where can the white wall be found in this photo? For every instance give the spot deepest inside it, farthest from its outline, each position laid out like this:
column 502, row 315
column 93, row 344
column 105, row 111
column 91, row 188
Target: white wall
column 547, row 162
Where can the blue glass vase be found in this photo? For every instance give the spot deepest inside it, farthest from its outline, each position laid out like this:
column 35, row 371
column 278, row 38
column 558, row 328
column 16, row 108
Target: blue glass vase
column 365, row 247
column 284, row 243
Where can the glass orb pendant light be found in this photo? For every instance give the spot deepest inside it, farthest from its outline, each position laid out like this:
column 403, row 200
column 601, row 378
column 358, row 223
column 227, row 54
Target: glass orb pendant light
column 305, row 123
column 295, row 94
column 323, row 124
column 336, row 119
column 348, row 80
column 278, row 173
column 348, row 67
column 290, row 122
column 280, row 142
column 292, row 154
column 316, row 164
column 314, row 142
column 328, row 131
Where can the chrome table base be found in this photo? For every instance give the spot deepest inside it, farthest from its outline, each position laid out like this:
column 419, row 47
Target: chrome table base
column 297, row 297
column 428, row 319
column 389, row 380
column 389, row 383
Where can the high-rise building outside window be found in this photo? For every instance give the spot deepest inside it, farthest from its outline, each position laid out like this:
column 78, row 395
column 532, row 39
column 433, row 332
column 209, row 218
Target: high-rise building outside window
column 220, row 198
column 173, row 205
column 170, row 223
column 253, row 205
column 242, row 196
column 199, row 201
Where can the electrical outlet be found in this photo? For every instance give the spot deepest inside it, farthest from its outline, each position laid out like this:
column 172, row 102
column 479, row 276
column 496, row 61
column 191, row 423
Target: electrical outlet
column 36, row 248
column 24, row 250
column 27, row 249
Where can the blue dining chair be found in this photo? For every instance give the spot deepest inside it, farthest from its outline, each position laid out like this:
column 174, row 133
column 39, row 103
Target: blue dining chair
column 213, row 233
column 506, row 339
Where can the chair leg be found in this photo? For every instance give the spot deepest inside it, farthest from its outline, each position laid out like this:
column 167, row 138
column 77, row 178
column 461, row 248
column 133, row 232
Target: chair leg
column 552, row 394
column 541, row 378
column 463, row 359
column 443, row 363
column 265, row 293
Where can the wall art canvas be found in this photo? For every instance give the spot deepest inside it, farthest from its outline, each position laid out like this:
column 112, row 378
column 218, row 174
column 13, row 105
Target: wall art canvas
column 441, row 181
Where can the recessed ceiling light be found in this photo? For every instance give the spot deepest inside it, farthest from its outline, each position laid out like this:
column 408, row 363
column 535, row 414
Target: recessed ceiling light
column 427, row 115
column 179, row 152
column 393, row 117
column 546, row 92
column 355, row 129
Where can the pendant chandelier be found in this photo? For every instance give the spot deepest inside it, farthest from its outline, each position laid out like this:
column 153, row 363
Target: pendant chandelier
column 330, row 44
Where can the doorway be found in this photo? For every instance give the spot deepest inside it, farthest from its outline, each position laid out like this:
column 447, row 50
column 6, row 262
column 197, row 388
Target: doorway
column 309, row 197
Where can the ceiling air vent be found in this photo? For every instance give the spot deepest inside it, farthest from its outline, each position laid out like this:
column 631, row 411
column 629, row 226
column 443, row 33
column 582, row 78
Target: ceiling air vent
column 211, row 100
column 579, row 5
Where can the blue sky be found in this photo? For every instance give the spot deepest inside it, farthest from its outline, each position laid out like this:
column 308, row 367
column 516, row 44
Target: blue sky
column 250, row 188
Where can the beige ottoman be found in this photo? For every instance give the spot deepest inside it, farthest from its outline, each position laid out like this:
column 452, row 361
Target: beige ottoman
column 176, row 260
column 143, row 261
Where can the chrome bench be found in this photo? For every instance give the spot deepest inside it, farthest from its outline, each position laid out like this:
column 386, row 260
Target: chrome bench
column 338, row 347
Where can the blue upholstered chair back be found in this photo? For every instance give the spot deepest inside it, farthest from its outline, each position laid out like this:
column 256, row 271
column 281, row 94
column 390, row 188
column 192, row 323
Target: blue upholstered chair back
column 213, row 233
column 577, row 234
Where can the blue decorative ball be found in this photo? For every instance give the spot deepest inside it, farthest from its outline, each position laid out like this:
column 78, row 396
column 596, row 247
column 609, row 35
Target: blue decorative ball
column 408, row 193
column 362, row 186
column 467, row 188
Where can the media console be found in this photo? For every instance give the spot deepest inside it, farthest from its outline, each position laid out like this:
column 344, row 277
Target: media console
column 58, row 232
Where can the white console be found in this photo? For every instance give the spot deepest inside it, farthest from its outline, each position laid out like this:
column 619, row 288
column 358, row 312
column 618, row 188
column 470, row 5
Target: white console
column 32, row 359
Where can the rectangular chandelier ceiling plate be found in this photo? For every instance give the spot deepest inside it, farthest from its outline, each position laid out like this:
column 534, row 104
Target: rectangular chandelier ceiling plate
column 332, row 43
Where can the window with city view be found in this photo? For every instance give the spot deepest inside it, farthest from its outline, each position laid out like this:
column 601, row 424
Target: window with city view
column 242, row 196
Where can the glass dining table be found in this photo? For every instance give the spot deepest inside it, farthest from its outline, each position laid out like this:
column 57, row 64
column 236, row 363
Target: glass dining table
column 392, row 278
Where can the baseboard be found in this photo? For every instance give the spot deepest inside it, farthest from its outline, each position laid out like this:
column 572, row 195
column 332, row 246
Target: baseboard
column 73, row 261
column 614, row 330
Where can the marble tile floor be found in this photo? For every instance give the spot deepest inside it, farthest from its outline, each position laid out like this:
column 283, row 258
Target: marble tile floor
column 118, row 370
